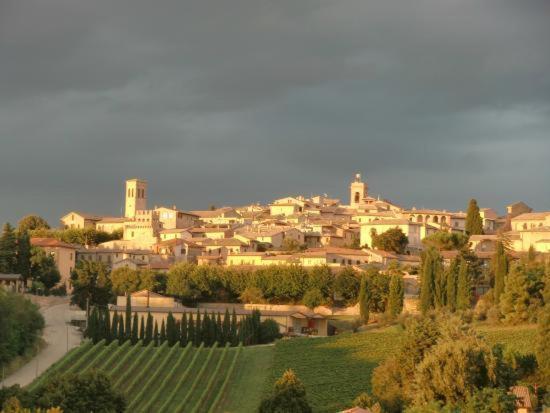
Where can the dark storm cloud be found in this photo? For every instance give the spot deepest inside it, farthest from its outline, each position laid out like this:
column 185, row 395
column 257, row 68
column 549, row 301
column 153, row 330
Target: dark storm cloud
column 232, row 102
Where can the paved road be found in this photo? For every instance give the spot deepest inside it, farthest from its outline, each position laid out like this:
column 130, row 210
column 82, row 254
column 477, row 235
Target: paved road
column 58, row 336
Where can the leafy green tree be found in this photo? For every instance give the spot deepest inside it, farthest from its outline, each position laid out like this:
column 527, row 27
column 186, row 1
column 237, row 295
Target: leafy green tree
column 91, row 283
column 542, row 347
column 392, row 240
column 346, row 286
column 91, row 391
column 252, row 295
column 379, row 288
column 432, row 270
column 288, row 395
column 500, row 270
column 490, row 400
column 364, row 300
column 8, row 250
column 269, row 331
column 396, row 295
column 313, row 298
column 474, row 223
column 514, row 302
column 32, row 223
column 43, row 268
column 24, row 254
column 464, row 287
column 125, row 280
column 446, row 241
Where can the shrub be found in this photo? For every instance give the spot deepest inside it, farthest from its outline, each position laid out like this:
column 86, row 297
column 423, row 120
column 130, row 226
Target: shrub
column 269, row 331
column 313, row 298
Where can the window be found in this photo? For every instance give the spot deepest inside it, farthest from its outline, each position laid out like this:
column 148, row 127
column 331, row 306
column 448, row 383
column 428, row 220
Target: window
column 436, row 220
column 357, row 197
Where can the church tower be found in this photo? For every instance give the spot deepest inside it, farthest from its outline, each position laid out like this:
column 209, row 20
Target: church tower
column 358, row 191
column 136, row 197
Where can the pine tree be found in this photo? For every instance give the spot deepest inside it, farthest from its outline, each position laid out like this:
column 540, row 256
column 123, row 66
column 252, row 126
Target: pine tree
column 364, row 300
column 8, row 250
column 226, row 327
column 233, row 333
column 464, row 287
column 396, row 295
column 128, row 316
column 121, row 332
column 514, row 301
column 500, row 269
column 431, row 270
column 114, row 326
column 162, row 332
column 191, row 336
column 474, row 223
column 24, row 255
column 452, row 281
column 183, row 330
column 142, row 329
column 135, row 330
column 148, row 329
column 156, row 334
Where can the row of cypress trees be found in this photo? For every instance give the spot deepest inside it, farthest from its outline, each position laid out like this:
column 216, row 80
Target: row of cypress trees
column 202, row 328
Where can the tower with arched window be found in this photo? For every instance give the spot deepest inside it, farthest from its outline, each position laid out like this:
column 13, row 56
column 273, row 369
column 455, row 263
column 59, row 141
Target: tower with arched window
column 136, row 197
column 358, row 191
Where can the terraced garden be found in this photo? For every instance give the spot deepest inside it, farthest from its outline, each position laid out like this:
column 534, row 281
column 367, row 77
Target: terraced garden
column 158, row 379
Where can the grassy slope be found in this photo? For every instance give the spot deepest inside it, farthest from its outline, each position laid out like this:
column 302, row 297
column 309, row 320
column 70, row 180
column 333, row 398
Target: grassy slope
column 245, row 390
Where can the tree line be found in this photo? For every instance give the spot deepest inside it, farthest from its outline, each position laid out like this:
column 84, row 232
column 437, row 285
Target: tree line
column 206, row 328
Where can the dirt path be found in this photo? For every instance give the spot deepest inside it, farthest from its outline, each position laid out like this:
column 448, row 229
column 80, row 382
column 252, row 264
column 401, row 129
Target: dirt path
column 59, row 337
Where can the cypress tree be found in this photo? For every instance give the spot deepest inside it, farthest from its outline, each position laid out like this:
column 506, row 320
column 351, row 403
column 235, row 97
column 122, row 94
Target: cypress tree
column 114, row 326
column 440, row 286
column 107, row 326
column 219, row 336
column 255, row 325
column 199, row 337
column 148, row 329
column 206, row 337
column 500, row 269
column 142, row 329
column 183, row 330
column 191, row 336
column 121, row 332
column 464, row 287
column 364, row 300
column 431, row 268
column 156, row 334
column 135, row 330
column 8, row 250
column 213, row 328
column 396, row 295
column 515, row 300
column 162, row 332
column 93, row 326
column 226, row 327
column 171, row 329
column 128, row 316
column 452, row 280
column 24, row 255
column 233, row 333
column 474, row 223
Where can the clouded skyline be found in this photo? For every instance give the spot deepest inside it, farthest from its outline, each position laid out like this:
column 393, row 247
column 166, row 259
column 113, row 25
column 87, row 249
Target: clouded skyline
column 232, row 102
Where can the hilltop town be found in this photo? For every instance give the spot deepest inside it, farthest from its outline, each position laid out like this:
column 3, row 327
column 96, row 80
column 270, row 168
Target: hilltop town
column 309, row 231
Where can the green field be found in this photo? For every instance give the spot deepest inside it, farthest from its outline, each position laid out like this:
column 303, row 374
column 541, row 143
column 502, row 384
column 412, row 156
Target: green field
column 234, row 380
column 159, row 379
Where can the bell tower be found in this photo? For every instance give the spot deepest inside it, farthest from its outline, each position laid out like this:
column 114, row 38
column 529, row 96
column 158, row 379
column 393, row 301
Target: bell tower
column 136, row 197
column 358, row 191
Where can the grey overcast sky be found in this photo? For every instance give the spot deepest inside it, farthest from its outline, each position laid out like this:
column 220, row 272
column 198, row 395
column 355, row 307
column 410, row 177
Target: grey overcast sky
column 230, row 102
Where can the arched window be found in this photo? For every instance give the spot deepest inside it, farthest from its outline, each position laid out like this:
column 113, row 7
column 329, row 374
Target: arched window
column 427, row 218
column 419, row 218
column 357, row 197
column 443, row 220
column 436, row 220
